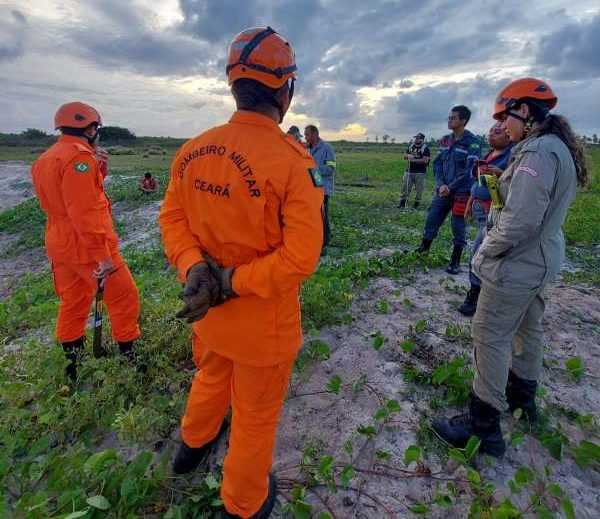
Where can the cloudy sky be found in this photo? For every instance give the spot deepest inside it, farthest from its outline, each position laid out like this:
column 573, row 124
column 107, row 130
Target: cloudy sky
column 366, row 67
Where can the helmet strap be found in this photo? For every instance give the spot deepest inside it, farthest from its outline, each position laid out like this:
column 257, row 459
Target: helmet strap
column 80, row 132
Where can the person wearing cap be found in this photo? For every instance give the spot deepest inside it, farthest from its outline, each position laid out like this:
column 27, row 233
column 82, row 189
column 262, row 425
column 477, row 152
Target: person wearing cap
column 522, row 251
column 241, row 221
column 324, row 156
column 417, row 157
column 452, row 173
column 294, row 131
column 80, row 239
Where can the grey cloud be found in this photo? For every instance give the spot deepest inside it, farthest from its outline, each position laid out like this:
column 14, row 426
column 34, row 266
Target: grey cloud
column 572, row 51
column 426, row 109
column 218, row 21
column 13, row 25
column 122, row 38
column 334, row 106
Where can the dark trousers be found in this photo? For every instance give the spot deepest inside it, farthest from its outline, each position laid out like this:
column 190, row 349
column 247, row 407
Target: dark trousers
column 326, row 226
column 440, row 207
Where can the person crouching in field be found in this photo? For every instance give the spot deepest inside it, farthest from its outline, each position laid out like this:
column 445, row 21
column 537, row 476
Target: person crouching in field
column 521, row 253
column 480, row 201
column 417, row 157
column 148, row 184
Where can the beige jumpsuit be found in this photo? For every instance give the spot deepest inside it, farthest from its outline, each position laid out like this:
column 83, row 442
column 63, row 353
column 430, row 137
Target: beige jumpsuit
column 522, row 251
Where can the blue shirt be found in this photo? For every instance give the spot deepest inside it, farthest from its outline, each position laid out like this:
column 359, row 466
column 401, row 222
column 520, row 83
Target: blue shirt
column 501, row 161
column 324, row 157
column 454, row 161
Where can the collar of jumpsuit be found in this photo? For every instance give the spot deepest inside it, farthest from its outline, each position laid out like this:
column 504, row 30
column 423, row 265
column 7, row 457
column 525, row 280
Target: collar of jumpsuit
column 254, row 119
column 75, row 139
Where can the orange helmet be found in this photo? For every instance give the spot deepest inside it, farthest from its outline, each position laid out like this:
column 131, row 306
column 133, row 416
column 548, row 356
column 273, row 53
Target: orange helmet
column 263, row 55
column 528, row 87
column 76, row 115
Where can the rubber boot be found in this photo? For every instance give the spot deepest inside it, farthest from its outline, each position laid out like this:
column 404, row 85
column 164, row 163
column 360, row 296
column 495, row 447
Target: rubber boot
column 188, row 458
column 454, row 266
column 520, row 394
column 73, row 351
column 470, row 303
column 425, row 245
column 267, row 507
column 402, row 204
column 482, row 420
column 126, row 349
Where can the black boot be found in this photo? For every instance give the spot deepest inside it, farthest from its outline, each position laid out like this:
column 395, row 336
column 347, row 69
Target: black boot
column 126, row 349
column 520, row 394
column 482, row 420
column 454, row 266
column 73, row 351
column 188, row 458
column 425, row 245
column 402, row 204
column 416, row 206
column 265, row 510
column 470, row 304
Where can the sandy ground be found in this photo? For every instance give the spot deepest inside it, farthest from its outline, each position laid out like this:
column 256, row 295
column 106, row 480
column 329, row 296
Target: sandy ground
column 15, row 188
column 572, row 322
column 15, row 183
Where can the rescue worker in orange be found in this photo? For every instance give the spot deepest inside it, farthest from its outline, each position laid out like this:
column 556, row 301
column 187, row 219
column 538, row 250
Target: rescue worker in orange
column 522, row 250
column 241, row 222
column 80, row 240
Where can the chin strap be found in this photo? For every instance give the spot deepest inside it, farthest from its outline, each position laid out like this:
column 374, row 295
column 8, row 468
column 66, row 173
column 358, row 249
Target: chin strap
column 80, row 132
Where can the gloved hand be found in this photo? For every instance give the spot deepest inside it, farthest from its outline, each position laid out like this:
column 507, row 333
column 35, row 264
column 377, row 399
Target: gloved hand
column 200, row 292
column 223, row 277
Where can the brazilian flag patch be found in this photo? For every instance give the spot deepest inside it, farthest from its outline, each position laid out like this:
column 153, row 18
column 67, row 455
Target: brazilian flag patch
column 316, row 177
column 82, row 167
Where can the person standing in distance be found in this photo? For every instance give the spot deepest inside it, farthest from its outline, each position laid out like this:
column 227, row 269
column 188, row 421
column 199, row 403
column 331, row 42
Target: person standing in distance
column 417, row 156
column 324, row 156
column 521, row 253
column 81, row 242
column 452, row 172
column 241, row 222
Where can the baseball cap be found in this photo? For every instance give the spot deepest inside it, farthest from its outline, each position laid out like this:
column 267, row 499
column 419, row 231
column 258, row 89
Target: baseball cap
column 419, row 136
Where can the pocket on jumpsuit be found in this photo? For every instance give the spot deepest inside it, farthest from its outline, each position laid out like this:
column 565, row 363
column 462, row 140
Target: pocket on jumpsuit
column 489, row 269
column 527, row 270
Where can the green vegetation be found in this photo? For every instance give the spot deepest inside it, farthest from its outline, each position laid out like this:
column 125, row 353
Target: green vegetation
column 102, row 448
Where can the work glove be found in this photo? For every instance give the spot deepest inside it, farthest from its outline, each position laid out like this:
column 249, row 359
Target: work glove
column 200, row 292
column 223, row 277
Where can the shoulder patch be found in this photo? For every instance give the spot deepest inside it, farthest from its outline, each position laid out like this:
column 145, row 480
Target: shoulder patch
column 530, row 171
column 315, row 177
column 81, row 167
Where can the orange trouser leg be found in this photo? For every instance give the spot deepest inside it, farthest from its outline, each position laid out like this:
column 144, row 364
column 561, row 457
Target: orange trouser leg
column 76, row 287
column 122, row 302
column 257, row 397
column 209, row 398
column 76, row 295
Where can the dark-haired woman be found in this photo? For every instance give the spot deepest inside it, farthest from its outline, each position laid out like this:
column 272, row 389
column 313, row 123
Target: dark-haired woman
column 521, row 253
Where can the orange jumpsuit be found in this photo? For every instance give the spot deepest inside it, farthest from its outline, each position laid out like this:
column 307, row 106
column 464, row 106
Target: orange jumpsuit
column 249, row 196
column 79, row 234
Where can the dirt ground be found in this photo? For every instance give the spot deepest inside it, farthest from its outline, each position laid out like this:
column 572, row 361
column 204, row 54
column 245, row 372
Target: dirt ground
column 15, row 183
column 571, row 323
column 15, row 188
